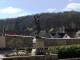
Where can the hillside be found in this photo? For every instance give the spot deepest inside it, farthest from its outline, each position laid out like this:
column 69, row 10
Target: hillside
column 68, row 19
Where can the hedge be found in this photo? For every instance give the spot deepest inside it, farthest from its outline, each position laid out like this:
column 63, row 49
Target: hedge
column 69, row 51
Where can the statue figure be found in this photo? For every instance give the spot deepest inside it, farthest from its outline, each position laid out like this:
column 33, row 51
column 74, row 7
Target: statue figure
column 38, row 28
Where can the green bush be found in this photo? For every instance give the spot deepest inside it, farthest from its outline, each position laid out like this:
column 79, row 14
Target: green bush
column 66, row 51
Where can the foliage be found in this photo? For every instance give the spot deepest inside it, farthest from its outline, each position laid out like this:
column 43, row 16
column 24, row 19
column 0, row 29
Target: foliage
column 27, row 52
column 13, row 54
column 68, row 19
column 16, row 43
column 31, row 30
column 66, row 51
column 27, row 29
column 46, row 51
column 51, row 30
column 6, row 54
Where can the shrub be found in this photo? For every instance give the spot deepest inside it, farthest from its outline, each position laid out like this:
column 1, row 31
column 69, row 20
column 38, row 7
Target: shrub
column 26, row 52
column 46, row 51
column 6, row 54
column 66, row 51
column 13, row 54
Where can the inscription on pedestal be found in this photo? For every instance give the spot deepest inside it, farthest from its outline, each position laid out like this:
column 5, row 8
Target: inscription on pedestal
column 40, row 51
column 34, row 45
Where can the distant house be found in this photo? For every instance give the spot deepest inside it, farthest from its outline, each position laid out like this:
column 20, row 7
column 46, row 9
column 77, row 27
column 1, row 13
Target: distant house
column 59, row 35
column 52, row 34
column 66, row 36
column 77, row 34
column 69, row 33
column 72, row 32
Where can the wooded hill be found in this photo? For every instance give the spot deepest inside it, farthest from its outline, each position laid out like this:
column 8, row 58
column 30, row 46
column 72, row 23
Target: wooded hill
column 68, row 19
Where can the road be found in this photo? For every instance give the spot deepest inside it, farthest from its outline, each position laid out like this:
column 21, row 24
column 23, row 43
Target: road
column 2, row 52
column 1, row 56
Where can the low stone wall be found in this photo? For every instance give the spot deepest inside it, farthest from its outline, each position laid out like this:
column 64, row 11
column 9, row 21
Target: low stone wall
column 37, row 57
column 21, row 41
column 26, row 41
column 60, row 41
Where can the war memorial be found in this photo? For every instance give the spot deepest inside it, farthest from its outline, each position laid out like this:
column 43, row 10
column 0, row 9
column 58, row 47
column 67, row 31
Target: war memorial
column 38, row 49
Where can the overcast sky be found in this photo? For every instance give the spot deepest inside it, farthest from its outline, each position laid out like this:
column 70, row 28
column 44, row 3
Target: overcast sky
column 16, row 8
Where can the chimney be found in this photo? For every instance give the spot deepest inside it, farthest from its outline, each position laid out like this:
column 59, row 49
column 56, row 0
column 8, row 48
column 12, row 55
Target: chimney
column 63, row 29
column 3, row 32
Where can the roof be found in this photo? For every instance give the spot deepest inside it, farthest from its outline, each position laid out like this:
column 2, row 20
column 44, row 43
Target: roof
column 52, row 34
column 57, row 35
column 61, row 34
column 14, row 32
column 17, row 32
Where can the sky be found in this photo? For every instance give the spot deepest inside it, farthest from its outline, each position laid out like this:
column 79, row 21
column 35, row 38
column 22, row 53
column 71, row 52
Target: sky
column 18, row 8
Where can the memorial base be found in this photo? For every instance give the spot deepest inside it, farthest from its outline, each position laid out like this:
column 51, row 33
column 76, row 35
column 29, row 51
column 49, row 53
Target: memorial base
column 38, row 47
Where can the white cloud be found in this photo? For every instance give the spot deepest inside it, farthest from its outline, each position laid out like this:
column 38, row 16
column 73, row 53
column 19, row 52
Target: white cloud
column 49, row 9
column 72, row 6
column 10, row 10
column 22, row 14
column 70, row 0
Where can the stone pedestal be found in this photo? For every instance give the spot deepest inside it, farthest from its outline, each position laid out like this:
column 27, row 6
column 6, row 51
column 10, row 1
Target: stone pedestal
column 38, row 47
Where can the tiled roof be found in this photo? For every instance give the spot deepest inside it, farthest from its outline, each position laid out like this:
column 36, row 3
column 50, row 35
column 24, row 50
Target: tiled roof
column 57, row 35
column 15, row 32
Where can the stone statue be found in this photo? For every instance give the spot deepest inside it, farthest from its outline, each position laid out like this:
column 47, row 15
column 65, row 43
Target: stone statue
column 38, row 28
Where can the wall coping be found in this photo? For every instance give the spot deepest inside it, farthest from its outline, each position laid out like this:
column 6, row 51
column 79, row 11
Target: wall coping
column 42, row 37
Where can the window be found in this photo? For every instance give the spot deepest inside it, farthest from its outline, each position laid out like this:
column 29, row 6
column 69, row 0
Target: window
column 65, row 36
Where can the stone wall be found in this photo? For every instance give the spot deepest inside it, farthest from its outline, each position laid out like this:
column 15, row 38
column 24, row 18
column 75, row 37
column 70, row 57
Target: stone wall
column 22, row 41
column 60, row 42
column 26, row 41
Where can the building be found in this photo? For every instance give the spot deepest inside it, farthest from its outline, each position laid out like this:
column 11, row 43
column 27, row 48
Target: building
column 72, row 32
column 59, row 35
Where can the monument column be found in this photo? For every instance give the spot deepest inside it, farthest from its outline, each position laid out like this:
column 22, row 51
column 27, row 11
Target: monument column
column 38, row 43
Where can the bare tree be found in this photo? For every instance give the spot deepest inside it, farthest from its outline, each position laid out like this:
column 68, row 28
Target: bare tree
column 15, row 43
